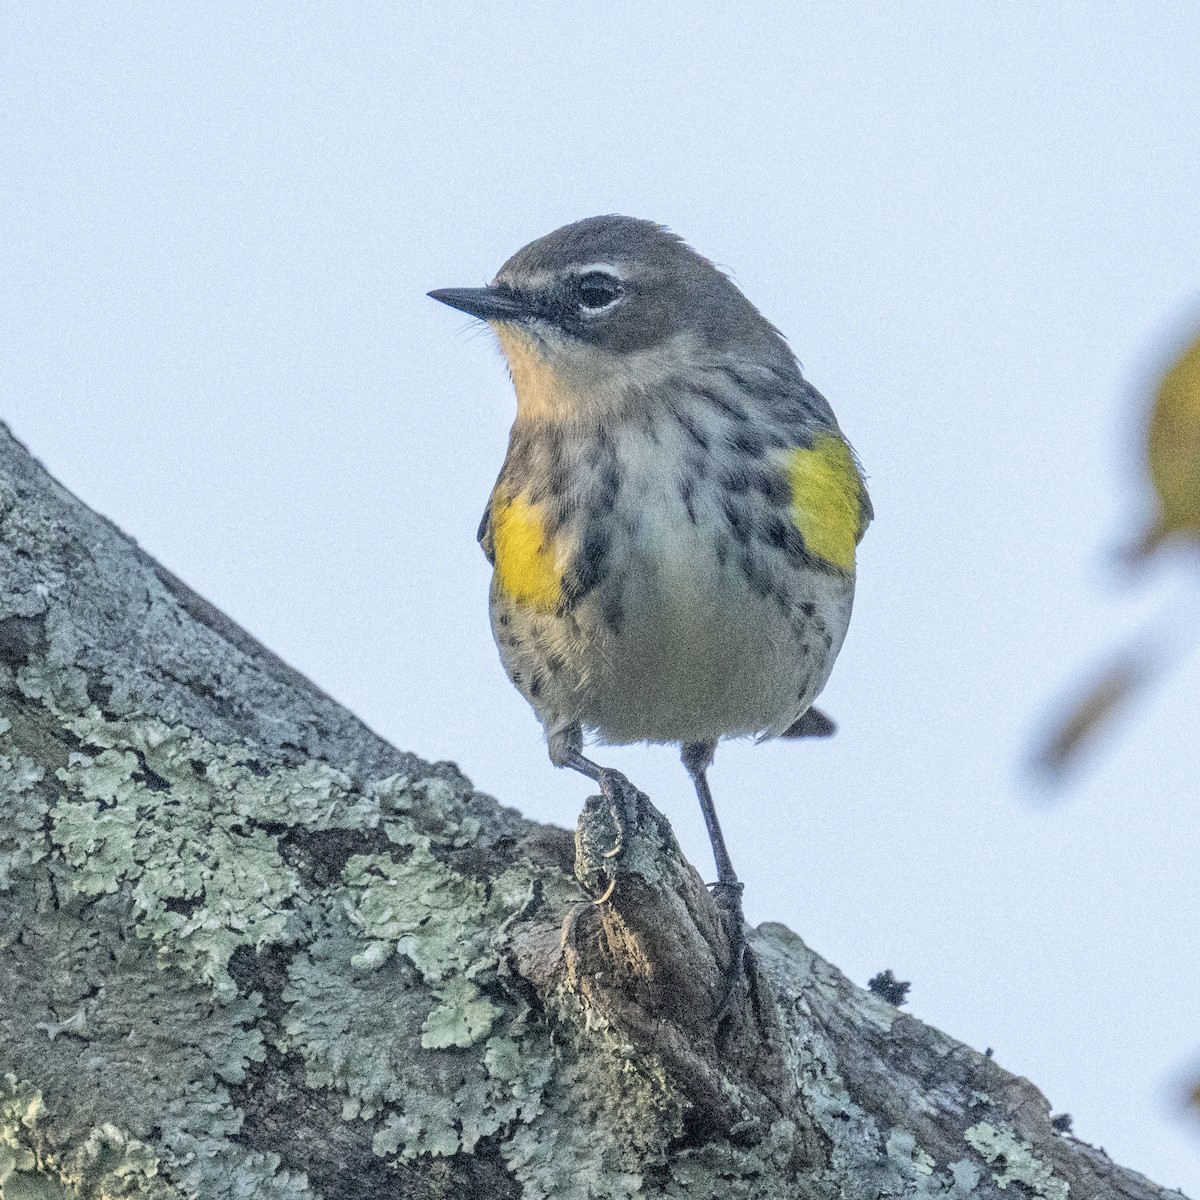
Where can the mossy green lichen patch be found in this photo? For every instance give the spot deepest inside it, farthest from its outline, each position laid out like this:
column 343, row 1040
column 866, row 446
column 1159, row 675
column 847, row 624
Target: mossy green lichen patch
column 191, row 828
column 20, row 1105
column 21, row 841
column 605, row 1113
column 723, row 1171
column 104, row 1165
column 463, row 1016
column 419, row 907
column 203, row 882
column 363, row 1033
column 407, row 924
column 902, row 1149
column 403, row 952
column 1013, row 1161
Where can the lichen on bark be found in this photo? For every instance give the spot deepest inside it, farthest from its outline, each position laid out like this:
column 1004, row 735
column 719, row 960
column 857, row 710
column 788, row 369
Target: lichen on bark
column 248, row 948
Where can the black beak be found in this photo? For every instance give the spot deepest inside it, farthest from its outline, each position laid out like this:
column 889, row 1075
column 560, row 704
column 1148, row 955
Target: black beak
column 491, row 304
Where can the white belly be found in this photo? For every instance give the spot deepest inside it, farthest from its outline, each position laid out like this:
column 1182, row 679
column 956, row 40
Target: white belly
column 699, row 653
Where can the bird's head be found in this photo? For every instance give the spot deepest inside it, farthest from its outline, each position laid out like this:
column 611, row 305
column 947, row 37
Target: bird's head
column 597, row 315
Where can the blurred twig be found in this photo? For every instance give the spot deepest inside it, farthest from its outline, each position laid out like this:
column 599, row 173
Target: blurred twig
column 1110, row 695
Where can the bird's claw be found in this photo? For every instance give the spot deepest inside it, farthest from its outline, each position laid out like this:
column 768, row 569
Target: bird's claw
column 614, row 786
column 728, row 897
column 616, row 789
column 728, row 894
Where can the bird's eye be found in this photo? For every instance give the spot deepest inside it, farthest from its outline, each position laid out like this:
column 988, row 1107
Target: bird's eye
column 597, row 290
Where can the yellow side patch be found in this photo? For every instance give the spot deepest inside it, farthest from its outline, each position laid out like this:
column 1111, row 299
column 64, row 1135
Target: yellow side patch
column 527, row 568
column 826, row 499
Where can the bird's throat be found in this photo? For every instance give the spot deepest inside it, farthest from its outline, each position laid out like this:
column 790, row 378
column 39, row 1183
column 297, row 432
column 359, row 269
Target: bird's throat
column 544, row 393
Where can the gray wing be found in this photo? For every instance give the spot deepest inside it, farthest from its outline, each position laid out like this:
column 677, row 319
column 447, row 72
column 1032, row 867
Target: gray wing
column 484, row 535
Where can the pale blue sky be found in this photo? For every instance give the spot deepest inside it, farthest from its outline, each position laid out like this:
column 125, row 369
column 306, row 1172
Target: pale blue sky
column 977, row 223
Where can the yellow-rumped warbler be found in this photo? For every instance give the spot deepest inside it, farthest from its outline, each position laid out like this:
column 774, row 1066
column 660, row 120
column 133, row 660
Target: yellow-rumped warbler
column 673, row 531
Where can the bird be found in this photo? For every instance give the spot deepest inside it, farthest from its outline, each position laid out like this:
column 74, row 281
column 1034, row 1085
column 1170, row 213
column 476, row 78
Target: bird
column 673, row 532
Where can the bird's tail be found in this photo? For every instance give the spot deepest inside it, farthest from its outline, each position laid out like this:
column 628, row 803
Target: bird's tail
column 813, row 724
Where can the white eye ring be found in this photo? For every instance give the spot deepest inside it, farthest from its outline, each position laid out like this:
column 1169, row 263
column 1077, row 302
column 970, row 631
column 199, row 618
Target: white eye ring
column 601, row 278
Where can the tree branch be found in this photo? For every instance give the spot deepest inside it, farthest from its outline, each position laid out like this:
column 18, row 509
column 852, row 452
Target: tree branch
column 251, row 949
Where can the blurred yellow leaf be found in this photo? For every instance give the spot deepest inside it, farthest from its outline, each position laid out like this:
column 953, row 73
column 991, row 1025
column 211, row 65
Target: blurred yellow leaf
column 1173, row 450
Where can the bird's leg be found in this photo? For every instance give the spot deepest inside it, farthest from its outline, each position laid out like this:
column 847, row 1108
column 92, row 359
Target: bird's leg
column 727, row 891
column 566, row 750
column 697, row 758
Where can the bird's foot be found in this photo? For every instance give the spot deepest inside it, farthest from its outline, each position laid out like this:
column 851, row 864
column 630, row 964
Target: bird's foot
column 614, row 787
column 619, row 793
column 728, row 897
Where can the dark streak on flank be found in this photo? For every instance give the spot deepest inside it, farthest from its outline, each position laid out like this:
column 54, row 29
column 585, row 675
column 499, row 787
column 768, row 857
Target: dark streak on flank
column 775, row 532
column 756, row 576
column 609, row 488
column 747, row 443
column 600, row 448
column 588, row 569
column 781, row 534
column 613, row 615
column 736, row 479
column 687, row 490
column 688, row 424
column 731, row 408
column 774, row 488
column 735, row 515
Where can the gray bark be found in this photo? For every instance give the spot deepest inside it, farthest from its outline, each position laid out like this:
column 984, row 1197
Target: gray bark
column 247, row 948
